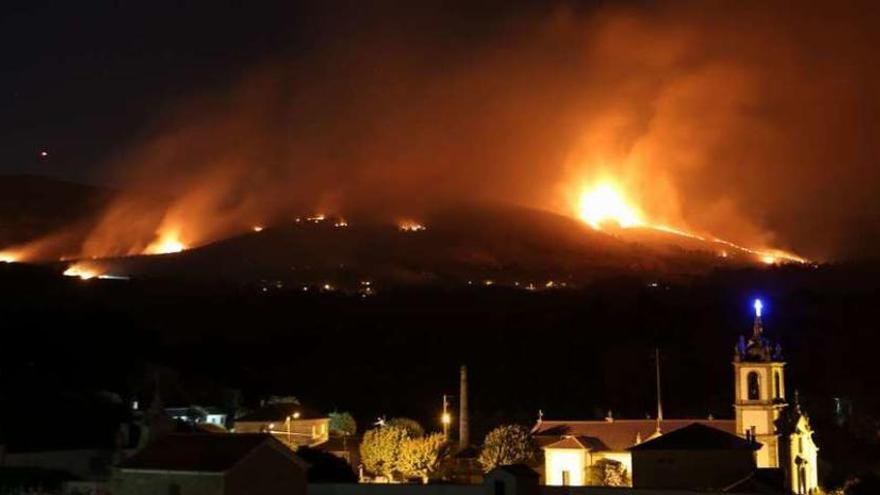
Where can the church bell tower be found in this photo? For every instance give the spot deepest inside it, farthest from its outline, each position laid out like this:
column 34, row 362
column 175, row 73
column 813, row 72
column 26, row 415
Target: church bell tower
column 759, row 378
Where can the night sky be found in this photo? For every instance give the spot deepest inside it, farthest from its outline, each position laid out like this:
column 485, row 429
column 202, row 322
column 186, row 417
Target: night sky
column 755, row 122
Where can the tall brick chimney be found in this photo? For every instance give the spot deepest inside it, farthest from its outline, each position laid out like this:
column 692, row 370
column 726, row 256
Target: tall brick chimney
column 464, row 429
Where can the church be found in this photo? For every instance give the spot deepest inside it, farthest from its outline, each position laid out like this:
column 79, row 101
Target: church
column 578, row 453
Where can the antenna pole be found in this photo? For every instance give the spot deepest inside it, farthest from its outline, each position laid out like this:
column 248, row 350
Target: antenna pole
column 659, row 400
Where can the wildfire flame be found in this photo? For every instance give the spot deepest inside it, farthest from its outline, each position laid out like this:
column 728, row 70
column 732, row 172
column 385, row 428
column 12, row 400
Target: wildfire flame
column 8, row 257
column 81, row 270
column 605, row 203
column 168, row 242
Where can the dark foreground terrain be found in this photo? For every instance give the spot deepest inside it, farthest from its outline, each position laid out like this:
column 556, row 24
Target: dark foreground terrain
column 573, row 353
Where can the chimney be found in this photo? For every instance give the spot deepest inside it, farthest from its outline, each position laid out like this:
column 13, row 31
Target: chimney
column 464, row 430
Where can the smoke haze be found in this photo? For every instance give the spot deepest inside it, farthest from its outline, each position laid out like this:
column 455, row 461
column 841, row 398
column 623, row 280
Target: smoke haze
column 751, row 123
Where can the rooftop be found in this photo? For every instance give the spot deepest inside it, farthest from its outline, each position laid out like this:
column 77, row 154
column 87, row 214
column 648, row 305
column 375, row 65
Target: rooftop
column 619, row 434
column 196, row 452
column 697, row 437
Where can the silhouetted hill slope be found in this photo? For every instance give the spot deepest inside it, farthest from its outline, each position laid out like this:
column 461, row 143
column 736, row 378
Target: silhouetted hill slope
column 478, row 243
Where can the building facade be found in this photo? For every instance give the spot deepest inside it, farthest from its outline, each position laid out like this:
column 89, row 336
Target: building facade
column 763, row 413
column 573, row 450
column 288, row 422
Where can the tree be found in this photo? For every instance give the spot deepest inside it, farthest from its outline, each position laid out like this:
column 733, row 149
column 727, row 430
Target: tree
column 343, row 424
column 608, row 472
column 420, row 457
column 506, row 445
column 380, row 450
column 412, row 426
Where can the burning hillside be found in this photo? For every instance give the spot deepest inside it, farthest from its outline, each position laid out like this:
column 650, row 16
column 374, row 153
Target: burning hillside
column 699, row 133
column 605, row 206
column 486, row 244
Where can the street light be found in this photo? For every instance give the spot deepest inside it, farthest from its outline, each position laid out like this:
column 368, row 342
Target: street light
column 446, row 418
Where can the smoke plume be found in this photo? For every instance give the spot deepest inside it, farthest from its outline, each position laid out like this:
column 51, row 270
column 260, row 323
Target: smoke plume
column 753, row 124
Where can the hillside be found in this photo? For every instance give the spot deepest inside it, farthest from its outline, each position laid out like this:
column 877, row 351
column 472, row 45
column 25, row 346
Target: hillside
column 462, row 244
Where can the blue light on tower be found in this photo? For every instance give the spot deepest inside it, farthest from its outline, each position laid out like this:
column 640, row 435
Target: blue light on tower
column 758, row 305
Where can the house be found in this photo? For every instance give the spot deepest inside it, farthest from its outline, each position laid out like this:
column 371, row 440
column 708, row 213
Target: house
column 212, row 464
column 572, row 449
column 289, row 422
column 696, row 457
column 197, row 415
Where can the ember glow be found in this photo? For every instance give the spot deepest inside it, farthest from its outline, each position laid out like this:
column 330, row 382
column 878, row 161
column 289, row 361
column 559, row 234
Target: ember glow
column 606, row 204
column 410, row 226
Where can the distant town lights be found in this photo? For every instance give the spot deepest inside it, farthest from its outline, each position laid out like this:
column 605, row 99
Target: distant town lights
column 758, row 305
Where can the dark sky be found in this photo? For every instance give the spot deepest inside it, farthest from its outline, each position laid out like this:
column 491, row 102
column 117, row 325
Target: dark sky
column 753, row 121
column 82, row 78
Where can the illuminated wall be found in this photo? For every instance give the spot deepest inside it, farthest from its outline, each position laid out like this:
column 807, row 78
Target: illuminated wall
column 559, row 461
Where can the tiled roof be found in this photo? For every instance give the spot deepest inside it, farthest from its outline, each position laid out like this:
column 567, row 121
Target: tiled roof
column 619, row 434
column 697, row 437
column 196, row 452
column 569, row 442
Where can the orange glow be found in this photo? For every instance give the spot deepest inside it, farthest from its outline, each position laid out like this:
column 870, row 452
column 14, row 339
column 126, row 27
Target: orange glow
column 82, row 271
column 8, row 257
column 168, row 242
column 605, row 203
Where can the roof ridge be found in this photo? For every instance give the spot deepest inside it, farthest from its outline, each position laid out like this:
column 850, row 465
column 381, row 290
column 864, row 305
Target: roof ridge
column 630, row 420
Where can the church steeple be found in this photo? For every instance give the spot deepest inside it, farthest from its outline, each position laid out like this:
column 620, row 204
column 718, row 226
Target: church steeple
column 760, row 389
column 758, row 348
column 758, row 327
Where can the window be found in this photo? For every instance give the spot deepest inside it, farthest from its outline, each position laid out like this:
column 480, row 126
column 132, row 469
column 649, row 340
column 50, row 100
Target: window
column 777, row 388
column 754, row 386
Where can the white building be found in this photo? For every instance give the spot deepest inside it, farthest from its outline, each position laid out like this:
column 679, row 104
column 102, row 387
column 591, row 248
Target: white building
column 575, row 450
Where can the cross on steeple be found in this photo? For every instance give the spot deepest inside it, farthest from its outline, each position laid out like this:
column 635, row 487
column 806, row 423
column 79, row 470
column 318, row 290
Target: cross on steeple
column 758, row 327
